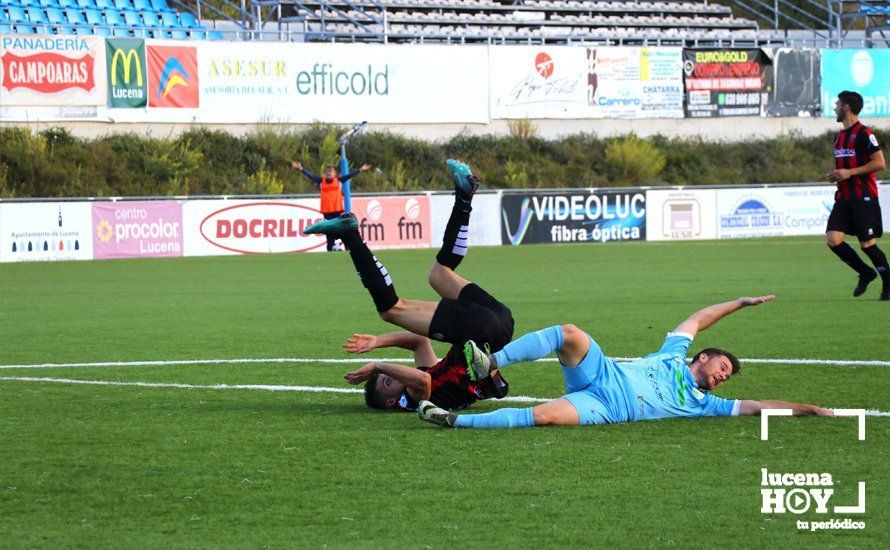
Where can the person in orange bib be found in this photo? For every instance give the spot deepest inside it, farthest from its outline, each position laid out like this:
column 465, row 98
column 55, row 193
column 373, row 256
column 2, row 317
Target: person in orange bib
column 331, row 191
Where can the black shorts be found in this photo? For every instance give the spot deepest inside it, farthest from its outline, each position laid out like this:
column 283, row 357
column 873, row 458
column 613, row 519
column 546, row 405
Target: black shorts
column 475, row 315
column 859, row 217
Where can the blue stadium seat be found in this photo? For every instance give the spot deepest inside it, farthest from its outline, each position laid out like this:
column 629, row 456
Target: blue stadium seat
column 3, row 16
column 93, row 17
column 169, row 20
column 17, row 15
column 131, row 19
column 49, row 3
column 86, row 4
column 68, row 4
column 105, row 4
column 188, row 20
column 5, row 29
column 113, row 19
column 75, row 17
column 150, row 19
column 199, row 34
column 36, row 15
column 157, row 33
column 123, row 5
column 214, row 35
column 120, row 31
column 142, row 5
column 179, row 35
column 28, row 3
column 161, row 6
column 55, row 16
column 25, row 29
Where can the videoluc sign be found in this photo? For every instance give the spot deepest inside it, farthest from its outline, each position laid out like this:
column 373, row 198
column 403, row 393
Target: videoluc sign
column 573, row 217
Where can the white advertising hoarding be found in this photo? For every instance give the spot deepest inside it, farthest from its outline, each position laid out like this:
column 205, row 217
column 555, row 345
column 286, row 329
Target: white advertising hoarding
column 884, row 196
column 538, row 82
column 806, row 209
column 684, row 214
column 776, row 211
column 342, row 83
column 52, row 70
column 635, row 82
column 46, row 232
column 485, row 221
column 228, row 227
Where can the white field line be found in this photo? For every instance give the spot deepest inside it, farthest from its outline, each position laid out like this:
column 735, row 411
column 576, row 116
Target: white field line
column 347, row 360
column 262, row 387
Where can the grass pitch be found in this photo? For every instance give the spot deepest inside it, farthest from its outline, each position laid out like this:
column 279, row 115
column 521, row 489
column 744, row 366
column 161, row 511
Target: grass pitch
column 88, row 465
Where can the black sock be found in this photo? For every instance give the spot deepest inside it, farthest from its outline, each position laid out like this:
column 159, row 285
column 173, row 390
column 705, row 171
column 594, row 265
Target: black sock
column 877, row 257
column 846, row 253
column 454, row 241
column 372, row 273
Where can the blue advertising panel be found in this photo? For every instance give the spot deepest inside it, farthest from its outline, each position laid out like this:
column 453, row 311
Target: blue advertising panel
column 863, row 71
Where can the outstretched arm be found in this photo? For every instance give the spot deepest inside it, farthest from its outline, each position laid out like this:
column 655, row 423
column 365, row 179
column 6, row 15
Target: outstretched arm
column 315, row 179
column 754, row 407
column 702, row 319
column 419, row 345
column 347, row 177
column 419, row 383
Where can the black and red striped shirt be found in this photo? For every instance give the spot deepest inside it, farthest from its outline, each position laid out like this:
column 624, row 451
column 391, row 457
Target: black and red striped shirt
column 853, row 148
column 451, row 387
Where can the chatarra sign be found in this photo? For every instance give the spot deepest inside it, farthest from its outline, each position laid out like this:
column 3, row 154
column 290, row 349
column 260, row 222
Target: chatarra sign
column 262, row 228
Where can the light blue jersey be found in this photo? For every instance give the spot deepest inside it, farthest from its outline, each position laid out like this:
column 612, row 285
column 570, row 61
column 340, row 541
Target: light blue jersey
column 658, row 386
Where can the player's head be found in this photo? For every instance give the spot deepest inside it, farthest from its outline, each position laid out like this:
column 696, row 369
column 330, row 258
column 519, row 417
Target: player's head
column 848, row 103
column 713, row 366
column 383, row 391
column 330, row 171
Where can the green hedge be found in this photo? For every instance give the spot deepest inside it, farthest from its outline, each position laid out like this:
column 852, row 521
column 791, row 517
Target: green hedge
column 53, row 163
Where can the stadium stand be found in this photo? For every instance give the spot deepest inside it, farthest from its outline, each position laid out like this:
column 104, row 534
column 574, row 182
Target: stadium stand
column 136, row 18
column 510, row 22
column 875, row 15
column 658, row 22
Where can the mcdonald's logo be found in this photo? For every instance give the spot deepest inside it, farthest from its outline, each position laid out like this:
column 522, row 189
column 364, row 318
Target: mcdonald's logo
column 129, row 59
column 127, row 73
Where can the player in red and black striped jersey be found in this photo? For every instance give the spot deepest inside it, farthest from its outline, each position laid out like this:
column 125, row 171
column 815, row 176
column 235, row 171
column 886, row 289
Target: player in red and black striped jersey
column 856, row 210
column 447, row 381
column 465, row 312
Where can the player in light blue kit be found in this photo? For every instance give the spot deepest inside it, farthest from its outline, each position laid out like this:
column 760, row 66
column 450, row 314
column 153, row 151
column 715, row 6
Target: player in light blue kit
column 601, row 391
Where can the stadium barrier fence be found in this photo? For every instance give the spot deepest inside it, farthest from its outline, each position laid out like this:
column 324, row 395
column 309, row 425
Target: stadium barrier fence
column 134, row 80
column 104, row 228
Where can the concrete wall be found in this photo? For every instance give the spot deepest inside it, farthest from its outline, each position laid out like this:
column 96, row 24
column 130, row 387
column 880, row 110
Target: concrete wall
column 717, row 129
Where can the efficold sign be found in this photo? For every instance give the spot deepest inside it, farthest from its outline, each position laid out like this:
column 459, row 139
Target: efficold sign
column 250, row 227
column 127, row 73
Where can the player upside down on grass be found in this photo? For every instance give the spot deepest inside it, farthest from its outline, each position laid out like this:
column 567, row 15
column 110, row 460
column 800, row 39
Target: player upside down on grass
column 465, row 312
column 601, row 391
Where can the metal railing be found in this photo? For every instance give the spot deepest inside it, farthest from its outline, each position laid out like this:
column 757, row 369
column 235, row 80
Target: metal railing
column 607, row 189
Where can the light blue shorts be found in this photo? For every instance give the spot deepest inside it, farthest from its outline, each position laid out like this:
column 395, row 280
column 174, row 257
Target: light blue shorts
column 585, row 385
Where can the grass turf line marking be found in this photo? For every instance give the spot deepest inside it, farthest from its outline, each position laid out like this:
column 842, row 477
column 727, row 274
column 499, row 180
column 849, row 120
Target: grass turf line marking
column 265, row 387
column 345, row 360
